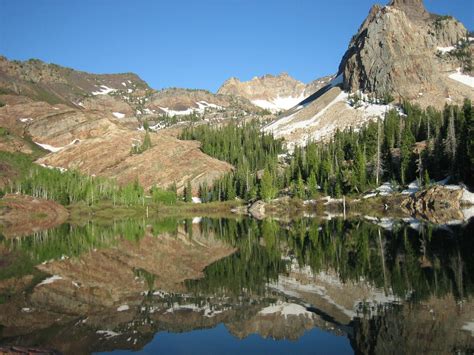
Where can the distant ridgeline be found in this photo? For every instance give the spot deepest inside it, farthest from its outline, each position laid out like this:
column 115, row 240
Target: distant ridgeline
column 416, row 144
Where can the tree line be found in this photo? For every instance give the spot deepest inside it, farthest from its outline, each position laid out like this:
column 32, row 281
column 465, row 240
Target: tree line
column 407, row 144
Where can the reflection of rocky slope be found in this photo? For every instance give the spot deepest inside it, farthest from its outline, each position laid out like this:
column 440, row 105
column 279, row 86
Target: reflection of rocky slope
column 399, row 50
column 99, row 294
column 25, row 215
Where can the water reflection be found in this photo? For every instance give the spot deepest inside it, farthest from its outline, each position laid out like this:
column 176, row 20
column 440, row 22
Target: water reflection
column 93, row 287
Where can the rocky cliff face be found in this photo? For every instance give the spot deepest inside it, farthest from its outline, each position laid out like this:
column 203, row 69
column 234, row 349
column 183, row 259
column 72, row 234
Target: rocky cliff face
column 395, row 51
column 274, row 93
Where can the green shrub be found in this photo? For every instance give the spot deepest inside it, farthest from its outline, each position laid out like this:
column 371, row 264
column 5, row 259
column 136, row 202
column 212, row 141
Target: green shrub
column 166, row 197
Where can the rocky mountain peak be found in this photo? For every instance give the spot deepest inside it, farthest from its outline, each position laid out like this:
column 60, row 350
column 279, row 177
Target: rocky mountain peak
column 396, row 51
column 415, row 9
column 272, row 92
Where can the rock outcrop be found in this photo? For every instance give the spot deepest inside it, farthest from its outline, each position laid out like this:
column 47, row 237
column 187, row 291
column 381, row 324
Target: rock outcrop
column 437, row 204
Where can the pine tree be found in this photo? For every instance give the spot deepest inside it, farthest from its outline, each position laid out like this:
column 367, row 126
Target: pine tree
column 312, row 185
column 450, row 143
column 360, row 169
column 267, row 189
column 188, row 192
column 300, row 188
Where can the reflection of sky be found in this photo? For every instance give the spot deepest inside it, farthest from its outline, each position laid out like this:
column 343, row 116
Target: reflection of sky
column 219, row 341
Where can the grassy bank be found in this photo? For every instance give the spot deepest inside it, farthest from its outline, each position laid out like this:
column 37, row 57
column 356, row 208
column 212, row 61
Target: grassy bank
column 105, row 211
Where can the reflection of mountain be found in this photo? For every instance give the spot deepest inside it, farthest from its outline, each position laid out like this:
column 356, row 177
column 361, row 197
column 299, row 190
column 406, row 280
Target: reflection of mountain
column 281, row 320
column 432, row 327
column 114, row 287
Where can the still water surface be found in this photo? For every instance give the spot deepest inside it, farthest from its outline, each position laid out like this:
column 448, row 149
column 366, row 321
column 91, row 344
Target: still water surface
column 223, row 286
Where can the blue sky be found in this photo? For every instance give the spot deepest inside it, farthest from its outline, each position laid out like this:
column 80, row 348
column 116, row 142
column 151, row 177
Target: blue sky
column 191, row 43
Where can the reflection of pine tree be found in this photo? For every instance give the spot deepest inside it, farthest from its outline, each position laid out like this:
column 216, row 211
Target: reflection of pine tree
column 450, row 144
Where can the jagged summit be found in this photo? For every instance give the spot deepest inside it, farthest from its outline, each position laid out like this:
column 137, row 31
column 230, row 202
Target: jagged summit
column 272, row 92
column 415, row 9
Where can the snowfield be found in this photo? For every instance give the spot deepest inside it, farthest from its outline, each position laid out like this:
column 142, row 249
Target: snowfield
column 118, row 114
column 299, row 130
column 202, row 106
column 463, row 78
column 49, row 147
column 279, row 103
column 104, row 90
column 445, row 50
column 49, row 280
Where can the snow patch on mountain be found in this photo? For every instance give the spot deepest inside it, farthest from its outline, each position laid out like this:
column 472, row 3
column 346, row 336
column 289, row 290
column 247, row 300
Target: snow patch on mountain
column 445, row 50
column 50, row 280
column 49, row 147
column 118, row 114
column 202, row 107
column 463, row 78
column 279, row 103
column 103, row 91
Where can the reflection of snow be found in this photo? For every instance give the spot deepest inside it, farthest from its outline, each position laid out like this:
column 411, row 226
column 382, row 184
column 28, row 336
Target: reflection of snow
column 469, row 326
column 287, row 309
column 208, row 311
column 108, row 333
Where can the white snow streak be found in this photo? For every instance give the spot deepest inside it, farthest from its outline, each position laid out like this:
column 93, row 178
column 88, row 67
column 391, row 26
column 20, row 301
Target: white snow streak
column 463, row 78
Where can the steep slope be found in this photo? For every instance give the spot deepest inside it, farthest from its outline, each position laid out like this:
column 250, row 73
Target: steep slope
column 168, row 161
column 56, row 84
column 400, row 52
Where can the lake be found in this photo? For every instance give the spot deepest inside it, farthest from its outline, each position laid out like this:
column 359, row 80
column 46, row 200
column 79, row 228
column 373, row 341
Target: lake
column 240, row 286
